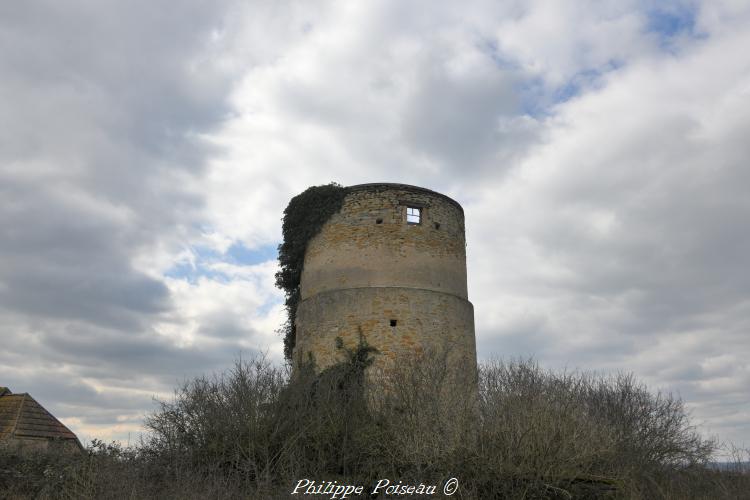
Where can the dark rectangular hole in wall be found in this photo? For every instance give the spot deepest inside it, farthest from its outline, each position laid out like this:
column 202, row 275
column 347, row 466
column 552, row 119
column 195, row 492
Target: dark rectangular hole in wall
column 378, row 221
column 393, row 322
column 437, row 225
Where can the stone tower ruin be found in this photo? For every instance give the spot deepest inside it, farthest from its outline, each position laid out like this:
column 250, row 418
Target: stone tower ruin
column 389, row 266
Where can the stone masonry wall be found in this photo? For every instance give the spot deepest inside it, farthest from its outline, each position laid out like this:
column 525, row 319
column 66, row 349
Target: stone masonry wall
column 354, row 250
column 368, row 269
column 423, row 320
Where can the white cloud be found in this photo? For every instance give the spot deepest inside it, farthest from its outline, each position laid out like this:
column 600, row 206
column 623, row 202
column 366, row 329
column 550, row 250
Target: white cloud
column 624, row 232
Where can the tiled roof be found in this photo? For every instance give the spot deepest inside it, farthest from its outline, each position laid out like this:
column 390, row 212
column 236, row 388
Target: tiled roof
column 22, row 417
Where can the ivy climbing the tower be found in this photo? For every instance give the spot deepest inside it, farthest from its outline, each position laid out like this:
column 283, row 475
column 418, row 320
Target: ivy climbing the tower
column 303, row 218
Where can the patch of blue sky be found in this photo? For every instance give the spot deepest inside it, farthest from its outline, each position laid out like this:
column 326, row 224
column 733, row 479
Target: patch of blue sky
column 672, row 20
column 530, row 90
column 192, row 272
column 538, row 98
column 492, row 50
column 265, row 308
column 204, row 258
column 533, row 102
column 241, row 255
column 586, row 79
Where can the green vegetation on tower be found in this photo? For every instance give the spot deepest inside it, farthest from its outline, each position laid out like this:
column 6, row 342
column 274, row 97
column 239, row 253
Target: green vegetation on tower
column 303, row 219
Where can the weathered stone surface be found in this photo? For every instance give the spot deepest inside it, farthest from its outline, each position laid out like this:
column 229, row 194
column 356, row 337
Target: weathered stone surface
column 425, row 319
column 354, row 250
column 368, row 268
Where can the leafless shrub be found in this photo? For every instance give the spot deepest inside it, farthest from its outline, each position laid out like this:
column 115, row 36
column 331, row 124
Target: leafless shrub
column 516, row 431
column 220, row 425
column 575, row 431
column 426, row 408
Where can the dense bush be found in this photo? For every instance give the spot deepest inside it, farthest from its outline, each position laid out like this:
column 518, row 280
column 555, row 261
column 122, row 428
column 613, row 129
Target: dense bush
column 303, row 218
column 579, row 433
column 516, row 432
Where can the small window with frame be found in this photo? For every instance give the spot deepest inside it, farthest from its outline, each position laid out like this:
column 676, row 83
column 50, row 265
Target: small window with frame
column 413, row 215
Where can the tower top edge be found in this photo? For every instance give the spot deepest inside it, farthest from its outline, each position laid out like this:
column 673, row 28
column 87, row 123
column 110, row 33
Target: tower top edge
column 377, row 186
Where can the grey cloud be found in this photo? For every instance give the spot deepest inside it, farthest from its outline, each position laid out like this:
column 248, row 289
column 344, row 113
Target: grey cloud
column 58, row 367
column 643, row 209
column 104, row 105
column 524, row 336
column 221, row 327
column 114, row 355
column 456, row 118
column 61, row 259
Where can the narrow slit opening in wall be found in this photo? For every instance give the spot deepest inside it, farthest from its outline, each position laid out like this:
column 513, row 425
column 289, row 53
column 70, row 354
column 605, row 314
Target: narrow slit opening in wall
column 413, row 215
column 394, row 322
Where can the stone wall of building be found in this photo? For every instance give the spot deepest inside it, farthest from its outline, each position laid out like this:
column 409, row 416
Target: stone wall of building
column 402, row 286
column 27, row 445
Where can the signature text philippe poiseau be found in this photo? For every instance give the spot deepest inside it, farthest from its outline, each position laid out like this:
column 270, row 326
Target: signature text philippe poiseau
column 336, row 491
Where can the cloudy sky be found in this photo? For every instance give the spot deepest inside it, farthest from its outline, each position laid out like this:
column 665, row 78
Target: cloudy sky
column 147, row 150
